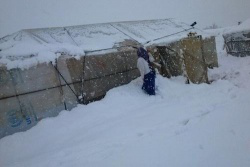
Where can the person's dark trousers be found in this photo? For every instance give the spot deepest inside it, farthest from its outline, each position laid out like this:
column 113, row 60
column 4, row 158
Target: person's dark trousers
column 149, row 83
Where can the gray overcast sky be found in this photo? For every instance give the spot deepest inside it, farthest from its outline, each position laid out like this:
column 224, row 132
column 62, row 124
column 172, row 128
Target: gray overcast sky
column 23, row 14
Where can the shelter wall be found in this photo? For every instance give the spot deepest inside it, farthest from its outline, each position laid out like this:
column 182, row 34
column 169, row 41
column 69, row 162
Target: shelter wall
column 189, row 57
column 209, row 52
column 238, row 43
column 27, row 96
column 195, row 64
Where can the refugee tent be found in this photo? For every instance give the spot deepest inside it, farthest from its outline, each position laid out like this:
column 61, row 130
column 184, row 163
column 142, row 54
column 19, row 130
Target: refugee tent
column 237, row 40
column 189, row 56
column 44, row 71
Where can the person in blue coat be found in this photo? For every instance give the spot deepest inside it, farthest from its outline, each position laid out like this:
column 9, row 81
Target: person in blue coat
column 146, row 70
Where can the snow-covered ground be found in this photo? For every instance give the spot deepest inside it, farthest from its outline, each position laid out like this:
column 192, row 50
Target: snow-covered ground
column 182, row 126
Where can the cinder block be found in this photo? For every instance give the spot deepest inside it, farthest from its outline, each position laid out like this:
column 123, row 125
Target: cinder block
column 209, row 52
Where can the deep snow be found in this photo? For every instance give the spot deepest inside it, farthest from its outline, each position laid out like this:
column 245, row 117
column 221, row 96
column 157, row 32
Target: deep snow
column 183, row 125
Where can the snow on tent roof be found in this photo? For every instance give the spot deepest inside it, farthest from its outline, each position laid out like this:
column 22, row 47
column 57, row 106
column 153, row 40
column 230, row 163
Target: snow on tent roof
column 27, row 47
column 238, row 33
column 245, row 26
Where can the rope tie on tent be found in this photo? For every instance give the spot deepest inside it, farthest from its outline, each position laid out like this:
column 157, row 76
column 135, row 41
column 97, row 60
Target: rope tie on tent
column 122, row 32
column 142, row 44
column 61, row 91
column 16, row 94
column 192, row 27
column 168, row 35
column 66, row 82
column 83, row 80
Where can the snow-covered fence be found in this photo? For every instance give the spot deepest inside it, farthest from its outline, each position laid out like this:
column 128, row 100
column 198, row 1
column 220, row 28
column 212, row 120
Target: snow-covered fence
column 30, row 95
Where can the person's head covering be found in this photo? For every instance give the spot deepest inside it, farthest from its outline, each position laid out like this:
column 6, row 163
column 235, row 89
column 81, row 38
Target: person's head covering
column 141, row 52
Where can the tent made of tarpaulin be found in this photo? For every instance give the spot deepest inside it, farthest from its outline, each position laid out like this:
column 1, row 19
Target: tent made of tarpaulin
column 45, row 71
column 83, row 40
column 237, row 39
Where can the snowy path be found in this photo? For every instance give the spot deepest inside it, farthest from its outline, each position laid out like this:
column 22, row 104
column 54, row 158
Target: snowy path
column 184, row 125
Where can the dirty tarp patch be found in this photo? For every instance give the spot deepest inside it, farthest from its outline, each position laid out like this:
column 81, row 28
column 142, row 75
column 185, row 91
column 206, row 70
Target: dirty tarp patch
column 194, row 62
column 209, row 52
